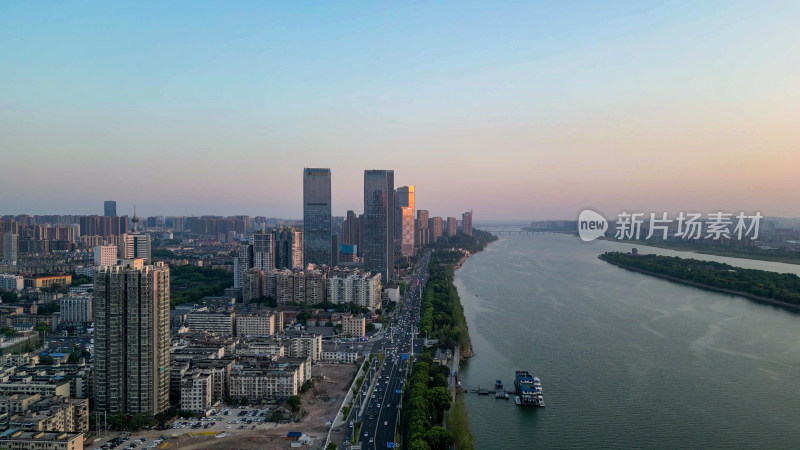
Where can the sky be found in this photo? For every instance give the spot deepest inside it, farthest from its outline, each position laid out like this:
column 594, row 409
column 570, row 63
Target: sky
column 516, row 110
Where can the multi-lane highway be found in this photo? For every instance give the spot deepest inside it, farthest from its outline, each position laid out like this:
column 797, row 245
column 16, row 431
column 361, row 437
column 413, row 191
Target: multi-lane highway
column 381, row 414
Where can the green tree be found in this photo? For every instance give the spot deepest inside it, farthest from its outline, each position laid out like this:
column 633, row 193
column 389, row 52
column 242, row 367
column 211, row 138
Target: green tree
column 162, row 253
column 9, row 296
column 440, row 399
column 191, row 283
column 419, row 444
column 294, row 402
column 8, row 332
column 265, row 300
column 331, row 446
column 439, row 438
column 302, row 316
column 438, row 380
column 117, row 421
column 78, row 280
column 46, row 360
column 139, row 421
column 42, row 328
column 49, row 308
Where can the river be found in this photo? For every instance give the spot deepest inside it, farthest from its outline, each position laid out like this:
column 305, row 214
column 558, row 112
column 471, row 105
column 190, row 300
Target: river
column 626, row 360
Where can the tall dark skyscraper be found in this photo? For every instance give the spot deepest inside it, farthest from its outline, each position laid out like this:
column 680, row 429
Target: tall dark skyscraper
column 466, row 223
column 317, row 216
column 109, row 208
column 379, row 223
column 288, row 248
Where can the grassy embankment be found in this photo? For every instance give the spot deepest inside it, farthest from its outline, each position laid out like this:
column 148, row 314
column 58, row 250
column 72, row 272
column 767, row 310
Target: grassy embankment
column 458, row 422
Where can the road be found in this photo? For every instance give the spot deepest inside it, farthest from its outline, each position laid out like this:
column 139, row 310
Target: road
column 382, row 413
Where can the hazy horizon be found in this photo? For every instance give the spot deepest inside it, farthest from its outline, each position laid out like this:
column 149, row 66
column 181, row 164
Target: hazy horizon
column 520, row 111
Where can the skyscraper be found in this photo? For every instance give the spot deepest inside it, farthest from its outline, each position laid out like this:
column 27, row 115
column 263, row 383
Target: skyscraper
column 353, row 231
column 110, row 208
column 241, row 264
column 288, row 248
column 263, row 251
column 452, row 226
column 350, row 228
column 435, row 228
column 317, row 216
column 132, row 341
column 404, row 220
column 137, row 244
column 10, row 247
column 407, row 232
column 379, row 223
column 466, row 223
column 421, row 232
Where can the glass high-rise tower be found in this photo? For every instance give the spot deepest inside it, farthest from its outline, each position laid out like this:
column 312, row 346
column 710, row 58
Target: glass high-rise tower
column 109, row 208
column 317, row 216
column 379, row 223
column 288, row 248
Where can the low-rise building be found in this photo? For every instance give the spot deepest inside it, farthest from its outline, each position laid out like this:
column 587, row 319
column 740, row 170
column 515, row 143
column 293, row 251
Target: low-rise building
column 259, row 380
column 255, row 322
column 355, row 326
column 76, row 308
column 196, row 391
column 305, row 346
column 43, row 281
column 79, row 375
column 29, row 386
column 342, row 356
column 270, row 348
column 13, row 439
column 215, row 322
column 11, row 282
column 35, row 413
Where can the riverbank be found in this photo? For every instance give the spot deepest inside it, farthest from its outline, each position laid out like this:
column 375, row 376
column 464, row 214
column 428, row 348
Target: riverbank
column 608, row 344
column 442, row 318
column 757, row 298
column 780, row 256
column 442, row 315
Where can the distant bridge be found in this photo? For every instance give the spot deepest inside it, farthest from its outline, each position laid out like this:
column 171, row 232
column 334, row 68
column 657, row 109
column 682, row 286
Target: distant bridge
column 523, row 232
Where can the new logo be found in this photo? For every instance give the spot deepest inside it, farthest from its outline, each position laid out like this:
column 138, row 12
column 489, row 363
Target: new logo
column 591, row 225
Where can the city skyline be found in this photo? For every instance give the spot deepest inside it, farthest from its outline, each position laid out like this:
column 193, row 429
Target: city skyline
column 590, row 201
column 516, row 110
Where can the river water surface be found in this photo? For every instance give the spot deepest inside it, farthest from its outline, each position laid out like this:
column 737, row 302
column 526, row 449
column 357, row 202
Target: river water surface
column 626, row 360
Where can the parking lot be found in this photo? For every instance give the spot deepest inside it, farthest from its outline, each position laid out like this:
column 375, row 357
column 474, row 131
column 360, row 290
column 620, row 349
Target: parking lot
column 246, row 427
column 228, row 420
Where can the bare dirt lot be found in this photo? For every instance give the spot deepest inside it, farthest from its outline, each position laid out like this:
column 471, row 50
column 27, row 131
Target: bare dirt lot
column 321, row 405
